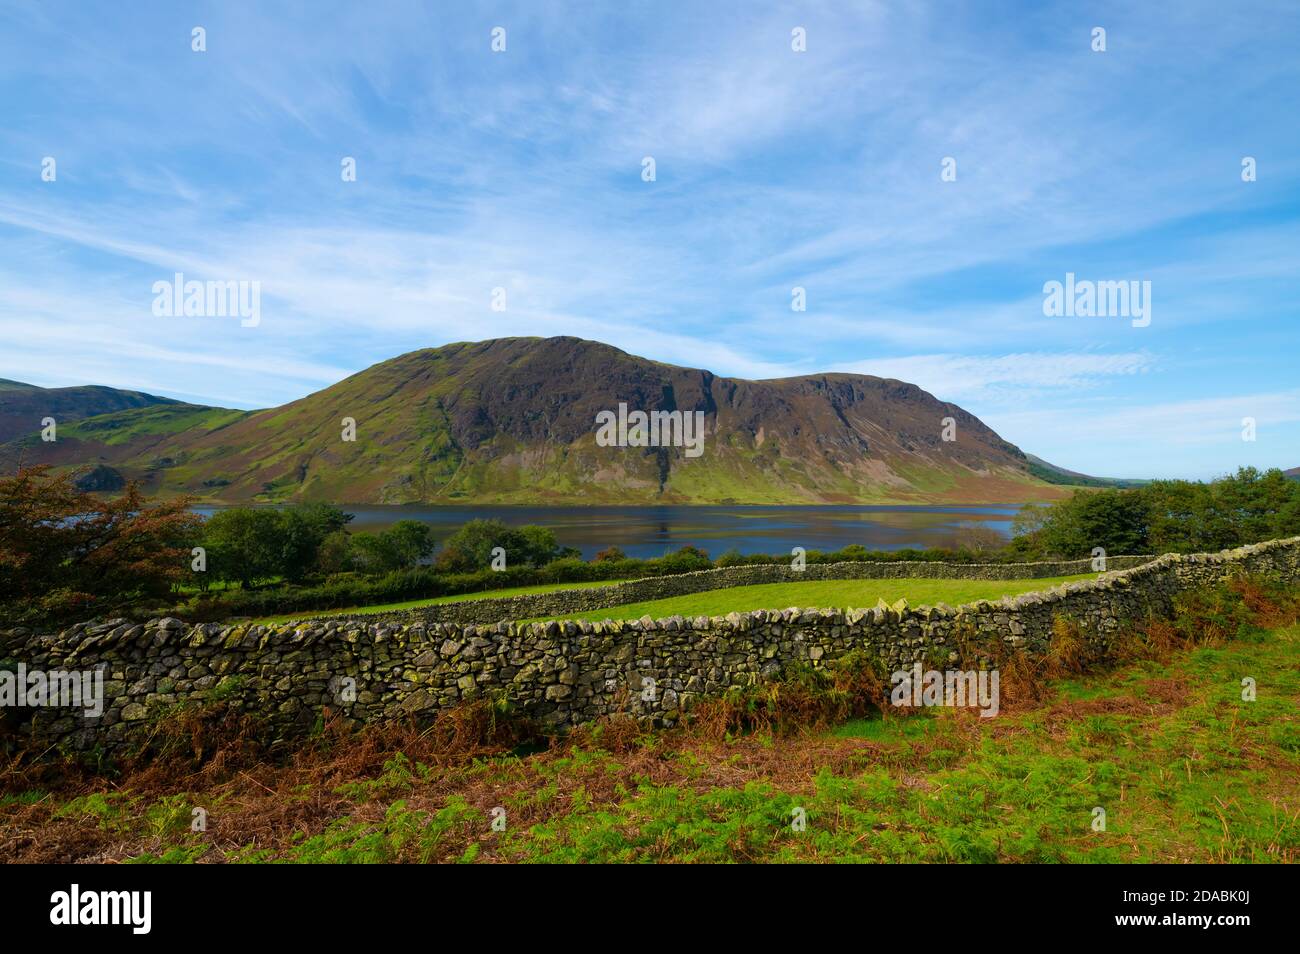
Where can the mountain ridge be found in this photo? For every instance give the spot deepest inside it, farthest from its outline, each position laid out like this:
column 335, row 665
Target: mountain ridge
column 22, row 406
column 512, row 420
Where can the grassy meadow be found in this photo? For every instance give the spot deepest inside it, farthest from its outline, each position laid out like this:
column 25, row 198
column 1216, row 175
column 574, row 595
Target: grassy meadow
column 840, row 594
column 820, row 593
column 438, row 600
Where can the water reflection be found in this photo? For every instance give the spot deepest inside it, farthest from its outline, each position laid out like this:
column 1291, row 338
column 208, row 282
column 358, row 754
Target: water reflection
column 652, row 531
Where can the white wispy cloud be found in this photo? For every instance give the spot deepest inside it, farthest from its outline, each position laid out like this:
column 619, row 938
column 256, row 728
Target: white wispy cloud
column 776, row 169
column 1006, row 377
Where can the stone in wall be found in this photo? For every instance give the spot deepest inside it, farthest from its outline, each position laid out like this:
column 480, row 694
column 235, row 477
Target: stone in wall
column 562, row 673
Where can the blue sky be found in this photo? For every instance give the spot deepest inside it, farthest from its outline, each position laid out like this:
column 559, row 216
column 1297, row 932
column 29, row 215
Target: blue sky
column 523, row 170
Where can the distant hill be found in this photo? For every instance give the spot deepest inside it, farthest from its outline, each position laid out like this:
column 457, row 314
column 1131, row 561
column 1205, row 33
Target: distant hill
column 1293, row 473
column 513, row 420
column 23, row 406
column 1059, row 475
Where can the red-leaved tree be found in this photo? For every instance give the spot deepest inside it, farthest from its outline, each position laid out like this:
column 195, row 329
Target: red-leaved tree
column 65, row 552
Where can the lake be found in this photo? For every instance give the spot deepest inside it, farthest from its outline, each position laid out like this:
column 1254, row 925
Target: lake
column 652, row 531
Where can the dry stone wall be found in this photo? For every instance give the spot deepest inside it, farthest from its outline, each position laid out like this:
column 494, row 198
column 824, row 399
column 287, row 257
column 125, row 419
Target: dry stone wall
column 562, row 673
column 583, row 600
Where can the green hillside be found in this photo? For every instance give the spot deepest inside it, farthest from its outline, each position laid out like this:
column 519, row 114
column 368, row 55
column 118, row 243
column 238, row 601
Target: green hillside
column 513, row 421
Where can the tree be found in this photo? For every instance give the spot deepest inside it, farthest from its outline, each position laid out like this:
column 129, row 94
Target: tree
column 1164, row 516
column 411, row 542
column 336, row 553
column 470, row 548
column 399, row 547
column 64, row 550
column 980, row 540
column 1115, row 520
column 322, row 518
column 243, row 544
column 538, row 545
column 302, row 529
column 251, row 544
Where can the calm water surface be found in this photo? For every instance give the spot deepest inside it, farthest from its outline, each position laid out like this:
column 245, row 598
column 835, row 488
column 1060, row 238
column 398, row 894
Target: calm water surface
column 652, row 531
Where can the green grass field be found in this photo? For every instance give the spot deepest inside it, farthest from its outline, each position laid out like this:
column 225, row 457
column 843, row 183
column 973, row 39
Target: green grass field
column 461, row 597
column 827, row 593
column 823, row 593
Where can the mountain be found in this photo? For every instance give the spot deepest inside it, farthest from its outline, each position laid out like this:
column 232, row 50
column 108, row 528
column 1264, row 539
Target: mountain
column 1293, row 473
column 1070, row 478
column 513, row 420
column 24, row 406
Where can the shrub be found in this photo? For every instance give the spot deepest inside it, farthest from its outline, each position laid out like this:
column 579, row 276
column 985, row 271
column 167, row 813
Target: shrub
column 804, row 697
